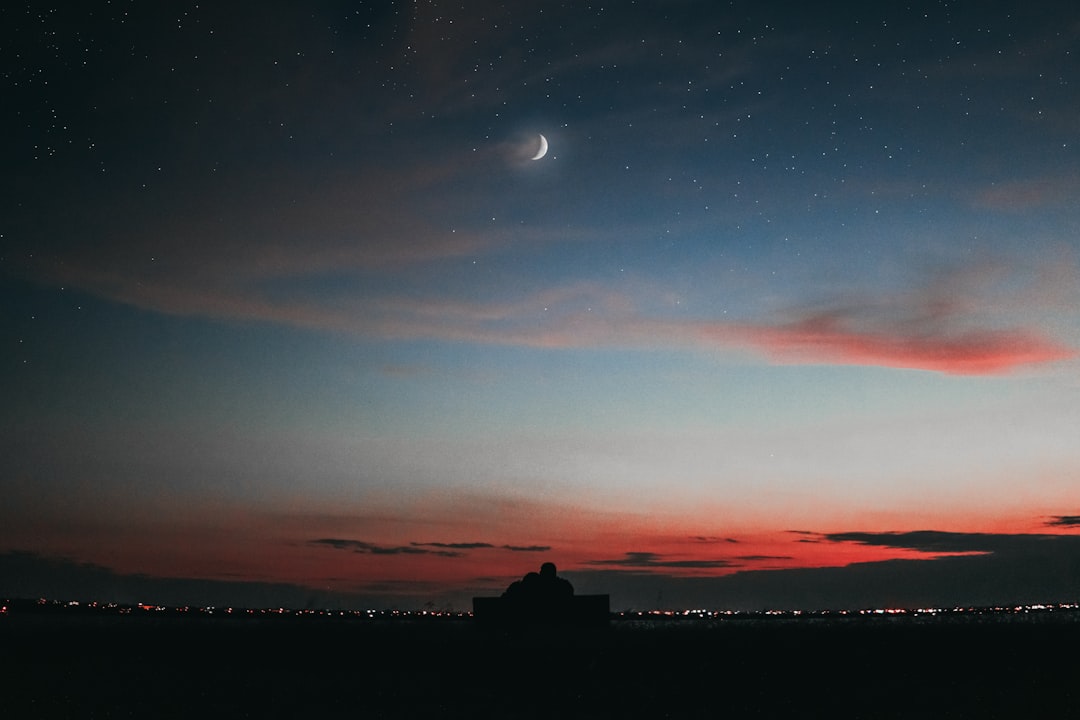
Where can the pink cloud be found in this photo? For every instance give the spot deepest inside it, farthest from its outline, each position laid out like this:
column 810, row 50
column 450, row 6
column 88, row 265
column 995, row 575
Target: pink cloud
column 826, row 340
column 928, row 343
column 953, row 326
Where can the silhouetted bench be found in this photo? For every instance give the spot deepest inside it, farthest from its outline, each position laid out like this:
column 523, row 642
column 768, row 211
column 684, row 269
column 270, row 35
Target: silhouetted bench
column 578, row 610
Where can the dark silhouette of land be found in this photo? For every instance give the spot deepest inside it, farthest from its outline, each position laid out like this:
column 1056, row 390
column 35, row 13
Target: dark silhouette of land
column 166, row 665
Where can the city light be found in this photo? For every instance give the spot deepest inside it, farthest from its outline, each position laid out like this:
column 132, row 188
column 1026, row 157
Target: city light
column 1007, row 612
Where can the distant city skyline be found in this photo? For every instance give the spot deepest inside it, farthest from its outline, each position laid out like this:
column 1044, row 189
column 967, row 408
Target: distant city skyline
column 784, row 315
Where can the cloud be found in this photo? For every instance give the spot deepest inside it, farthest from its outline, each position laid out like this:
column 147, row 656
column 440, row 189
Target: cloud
column 359, row 546
column 959, row 321
column 830, row 339
column 935, row 542
column 454, row 546
column 29, row 575
column 925, row 333
column 1064, row 521
column 482, row 546
column 442, row 549
column 993, row 569
column 653, row 560
column 927, row 541
column 973, row 318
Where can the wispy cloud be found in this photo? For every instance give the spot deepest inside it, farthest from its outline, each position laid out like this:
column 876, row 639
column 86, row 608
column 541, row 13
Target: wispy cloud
column 31, row 575
column 1021, row 569
column 360, row 546
column 647, row 560
column 481, row 546
column 959, row 321
column 830, row 339
column 441, row 549
column 935, row 542
column 588, row 315
column 1064, row 521
column 454, row 546
column 967, row 319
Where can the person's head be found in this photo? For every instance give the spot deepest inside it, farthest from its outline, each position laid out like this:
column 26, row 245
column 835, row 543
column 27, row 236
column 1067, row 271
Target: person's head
column 547, row 570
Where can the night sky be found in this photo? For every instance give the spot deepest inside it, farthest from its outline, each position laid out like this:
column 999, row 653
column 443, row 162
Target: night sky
column 788, row 314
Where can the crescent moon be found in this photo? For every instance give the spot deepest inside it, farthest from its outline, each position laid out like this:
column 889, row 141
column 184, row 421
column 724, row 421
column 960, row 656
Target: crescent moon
column 543, row 148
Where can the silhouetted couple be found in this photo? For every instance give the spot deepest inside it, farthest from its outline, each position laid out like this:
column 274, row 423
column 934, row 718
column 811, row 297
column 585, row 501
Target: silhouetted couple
column 543, row 591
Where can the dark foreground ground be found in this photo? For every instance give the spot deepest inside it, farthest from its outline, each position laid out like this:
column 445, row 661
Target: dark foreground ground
column 176, row 668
